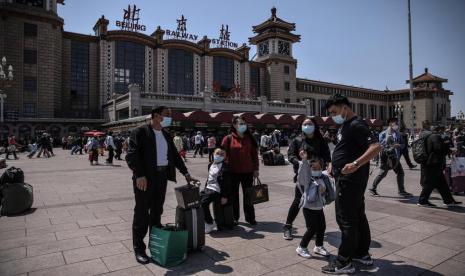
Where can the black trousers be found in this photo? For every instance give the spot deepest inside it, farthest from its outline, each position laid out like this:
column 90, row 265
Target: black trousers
column 294, row 209
column 11, row 152
column 210, row 154
column 111, row 153
column 118, row 152
column 148, row 209
column 383, row 171
column 432, row 177
column 246, row 181
column 407, row 157
column 199, row 149
column 316, row 224
column 208, row 196
column 352, row 220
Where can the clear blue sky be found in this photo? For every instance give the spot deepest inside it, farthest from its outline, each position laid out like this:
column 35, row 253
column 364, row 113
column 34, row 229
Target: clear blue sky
column 356, row 42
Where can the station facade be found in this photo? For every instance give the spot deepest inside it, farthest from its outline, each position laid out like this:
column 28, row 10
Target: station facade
column 67, row 82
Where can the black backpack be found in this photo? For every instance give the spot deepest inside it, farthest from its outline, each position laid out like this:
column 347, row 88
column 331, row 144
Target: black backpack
column 12, row 175
column 419, row 150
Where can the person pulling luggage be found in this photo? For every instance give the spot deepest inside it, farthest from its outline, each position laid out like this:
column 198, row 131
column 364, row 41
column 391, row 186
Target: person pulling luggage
column 217, row 187
column 153, row 159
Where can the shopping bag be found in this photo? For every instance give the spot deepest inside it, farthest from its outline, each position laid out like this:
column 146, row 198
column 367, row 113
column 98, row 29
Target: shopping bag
column 168, row 245
column 259, row 192
column 457, row 166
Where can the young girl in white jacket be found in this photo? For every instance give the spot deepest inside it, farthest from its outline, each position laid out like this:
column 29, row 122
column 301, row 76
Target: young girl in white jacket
column 317, row 191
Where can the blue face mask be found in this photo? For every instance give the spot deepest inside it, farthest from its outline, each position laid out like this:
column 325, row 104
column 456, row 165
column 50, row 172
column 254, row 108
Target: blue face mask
column 166, row 122
column 316, row 173
column 308, row 129
column 218, row 158
column 242, row 128
column 338, row 119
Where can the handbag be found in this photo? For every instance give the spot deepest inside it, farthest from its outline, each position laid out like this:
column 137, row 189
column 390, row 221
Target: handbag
column 168, row 245
column 259, row 192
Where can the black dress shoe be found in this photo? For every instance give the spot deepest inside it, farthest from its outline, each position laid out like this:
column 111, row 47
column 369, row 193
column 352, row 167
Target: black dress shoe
column 142, row 258
column 252, row 223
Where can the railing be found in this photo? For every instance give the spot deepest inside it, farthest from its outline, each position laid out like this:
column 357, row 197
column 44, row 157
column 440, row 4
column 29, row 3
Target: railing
column 235, row 101
column 286, row 105
column 171, row 97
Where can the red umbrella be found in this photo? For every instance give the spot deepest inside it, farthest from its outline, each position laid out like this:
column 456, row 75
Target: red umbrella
column 94, row 133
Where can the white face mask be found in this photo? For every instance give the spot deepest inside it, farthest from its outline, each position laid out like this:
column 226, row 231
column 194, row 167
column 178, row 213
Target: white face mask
column 218, row 158
column 395, row 127
column 316, row 173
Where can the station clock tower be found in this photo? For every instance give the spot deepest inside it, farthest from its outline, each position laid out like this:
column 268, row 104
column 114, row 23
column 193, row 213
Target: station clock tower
column 274, row 40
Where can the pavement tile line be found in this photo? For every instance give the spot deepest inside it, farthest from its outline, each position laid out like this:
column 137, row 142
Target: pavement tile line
column 85, row 202
column 282, row 191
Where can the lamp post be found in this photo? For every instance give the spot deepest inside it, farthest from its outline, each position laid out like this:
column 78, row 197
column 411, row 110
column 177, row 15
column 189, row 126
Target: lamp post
column 399, row 109
column 6, row 77
column 412, row 116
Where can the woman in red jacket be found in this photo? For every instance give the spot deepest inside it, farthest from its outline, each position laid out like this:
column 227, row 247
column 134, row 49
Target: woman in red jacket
column 242, row 160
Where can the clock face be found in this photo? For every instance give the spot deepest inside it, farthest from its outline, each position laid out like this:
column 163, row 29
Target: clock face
column 263, row 49
column 284, row 48
column 34, row 3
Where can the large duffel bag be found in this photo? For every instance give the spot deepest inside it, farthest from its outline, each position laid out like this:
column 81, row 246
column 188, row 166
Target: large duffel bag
column 268, row 158
column 16, row 198
column 168, row 245
column 279, row 160
column 12, row 175
column 224, row 215
column 193, row 221
column 187, row 196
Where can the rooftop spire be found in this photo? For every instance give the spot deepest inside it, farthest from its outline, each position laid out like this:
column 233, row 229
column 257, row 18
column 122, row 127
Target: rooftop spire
column 273, row 12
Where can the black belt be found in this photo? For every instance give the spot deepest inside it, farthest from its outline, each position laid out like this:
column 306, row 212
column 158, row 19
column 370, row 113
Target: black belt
column 161, row 168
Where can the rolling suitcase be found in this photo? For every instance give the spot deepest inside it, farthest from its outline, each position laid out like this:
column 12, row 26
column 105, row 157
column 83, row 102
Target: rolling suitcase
column 193, row 221
column 224, row 215
column 187, row 196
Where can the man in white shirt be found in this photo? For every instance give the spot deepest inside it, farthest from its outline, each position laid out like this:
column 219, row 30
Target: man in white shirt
column 198, row 141
column 153, row 159
column 110, row 148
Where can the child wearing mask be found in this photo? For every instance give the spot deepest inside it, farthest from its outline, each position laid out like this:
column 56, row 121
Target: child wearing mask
column 216, row 187
column 317, row 191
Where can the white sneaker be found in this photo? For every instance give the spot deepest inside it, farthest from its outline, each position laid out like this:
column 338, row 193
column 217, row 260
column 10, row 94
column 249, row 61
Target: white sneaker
column 210, row 228
column 303, row 252
column 320, row 250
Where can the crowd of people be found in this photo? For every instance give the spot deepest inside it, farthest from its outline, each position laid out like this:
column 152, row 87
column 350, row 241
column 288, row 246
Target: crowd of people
column 153, row 153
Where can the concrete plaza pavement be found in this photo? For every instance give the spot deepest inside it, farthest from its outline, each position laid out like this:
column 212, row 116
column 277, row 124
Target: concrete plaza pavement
column 81, row 225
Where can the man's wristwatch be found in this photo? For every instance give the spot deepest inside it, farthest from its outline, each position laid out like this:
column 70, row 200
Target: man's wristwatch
column 356, row 164
column 187, row 175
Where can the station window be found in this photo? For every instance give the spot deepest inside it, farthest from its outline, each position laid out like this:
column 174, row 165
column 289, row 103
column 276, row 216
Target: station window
column 287, row 86
column 286, row 69
column 30, row 29
column 30, row 56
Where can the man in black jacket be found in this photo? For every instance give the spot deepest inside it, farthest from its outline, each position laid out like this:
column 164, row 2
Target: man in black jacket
column 432, row 176
column 152, row 157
